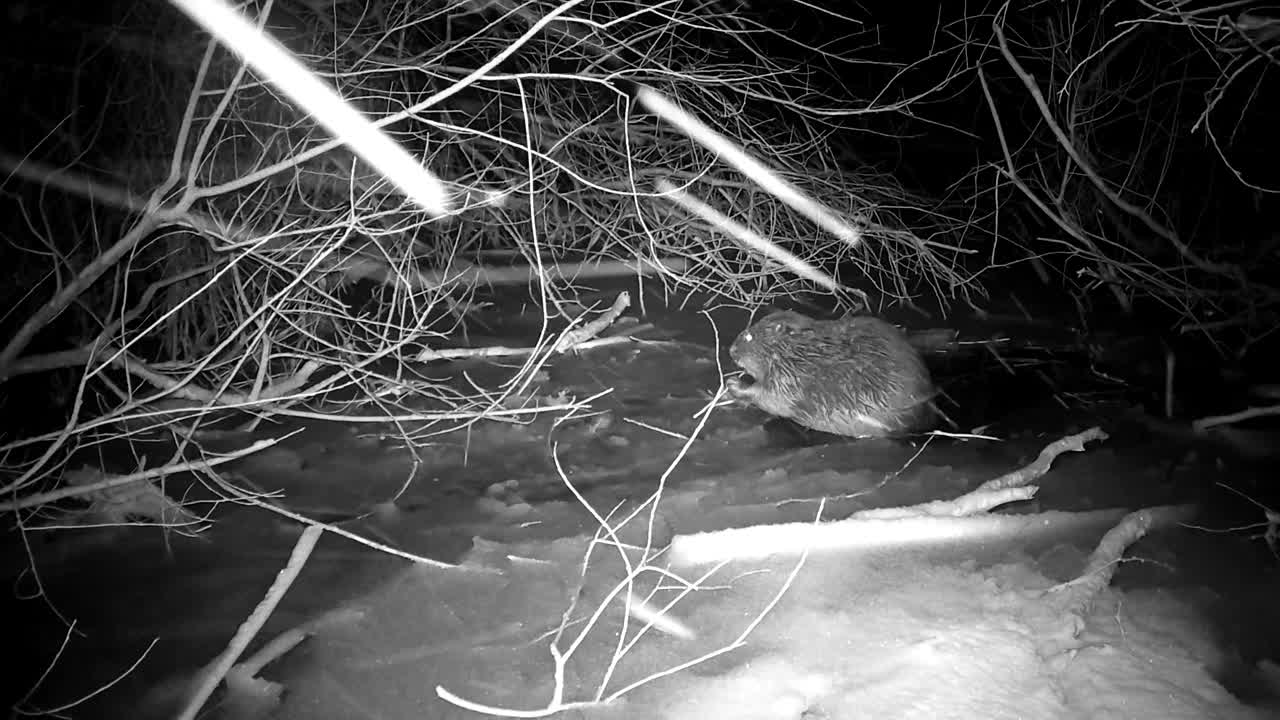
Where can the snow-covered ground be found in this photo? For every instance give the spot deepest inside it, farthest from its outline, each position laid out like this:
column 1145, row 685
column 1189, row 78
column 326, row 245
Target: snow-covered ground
column 529, row 609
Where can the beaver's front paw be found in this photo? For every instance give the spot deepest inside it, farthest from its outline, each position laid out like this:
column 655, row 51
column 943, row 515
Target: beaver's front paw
column 742, row 387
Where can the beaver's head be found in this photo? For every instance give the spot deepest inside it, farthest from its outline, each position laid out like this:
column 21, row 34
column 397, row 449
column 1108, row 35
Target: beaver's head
column 755, row 349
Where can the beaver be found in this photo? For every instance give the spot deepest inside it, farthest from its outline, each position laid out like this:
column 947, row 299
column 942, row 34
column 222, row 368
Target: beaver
column 857, row 376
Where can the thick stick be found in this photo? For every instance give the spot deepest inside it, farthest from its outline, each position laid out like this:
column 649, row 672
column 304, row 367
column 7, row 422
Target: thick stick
column 363, row 268
column 301, row 551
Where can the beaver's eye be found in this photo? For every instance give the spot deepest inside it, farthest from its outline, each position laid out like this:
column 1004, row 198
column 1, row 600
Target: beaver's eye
column 746, row 336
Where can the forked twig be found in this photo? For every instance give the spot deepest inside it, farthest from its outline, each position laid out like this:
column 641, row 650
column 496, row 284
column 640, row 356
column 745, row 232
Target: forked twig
column 560, row 658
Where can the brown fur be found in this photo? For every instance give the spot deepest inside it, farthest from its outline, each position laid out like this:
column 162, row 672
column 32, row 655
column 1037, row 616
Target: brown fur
column 857, row 376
